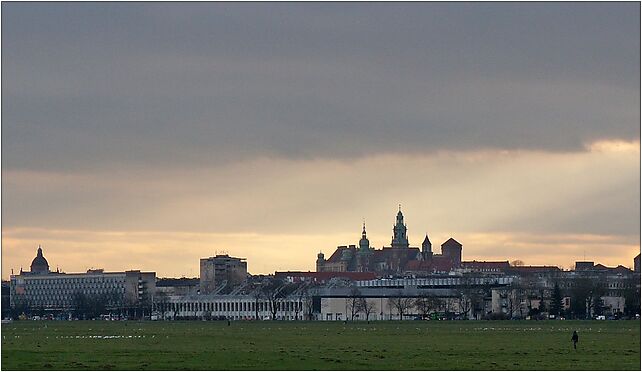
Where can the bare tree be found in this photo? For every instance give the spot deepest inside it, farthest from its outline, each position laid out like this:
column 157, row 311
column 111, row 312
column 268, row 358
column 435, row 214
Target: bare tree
column 533, row 293
column 469, row 296
column 437, row 303
column 477, row 299
column 272, row 290
column 286, row 296
column 514, row 299
column 161, row 302
column 257, row 296
column 353, row 302
column 366, row 307
column 465, row 304
column 301, row 294
column 308, row 301
column 425, row 305
column 401, row 304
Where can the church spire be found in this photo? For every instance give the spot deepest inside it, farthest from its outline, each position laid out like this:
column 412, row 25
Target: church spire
column 426, row 245
column 364, row 243
column 426, row 249
column 399, row 238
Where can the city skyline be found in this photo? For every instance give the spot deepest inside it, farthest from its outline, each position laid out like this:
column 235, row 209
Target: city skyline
column 150, row 135
column 436, row 243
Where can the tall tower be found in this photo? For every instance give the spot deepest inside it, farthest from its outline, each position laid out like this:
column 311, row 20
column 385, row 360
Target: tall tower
column 320, row 262
column 364, row 253
column 399, row 238
column 364, row 243
column 452, row 249
column 426, row 249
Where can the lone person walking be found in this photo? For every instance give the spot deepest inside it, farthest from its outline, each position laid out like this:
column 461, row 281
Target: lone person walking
column 575, row 338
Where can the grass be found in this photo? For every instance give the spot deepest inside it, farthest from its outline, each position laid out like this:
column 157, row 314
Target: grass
column 409, row 345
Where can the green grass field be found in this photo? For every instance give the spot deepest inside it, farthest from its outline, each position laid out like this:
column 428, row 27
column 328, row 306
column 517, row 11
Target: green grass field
column 409, row 345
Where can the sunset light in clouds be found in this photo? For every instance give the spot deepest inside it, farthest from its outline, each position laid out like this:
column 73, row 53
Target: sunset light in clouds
column 147, row 136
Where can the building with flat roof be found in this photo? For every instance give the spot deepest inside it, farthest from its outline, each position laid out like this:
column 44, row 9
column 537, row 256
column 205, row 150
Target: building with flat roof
column 41, row 288
column 221, row 270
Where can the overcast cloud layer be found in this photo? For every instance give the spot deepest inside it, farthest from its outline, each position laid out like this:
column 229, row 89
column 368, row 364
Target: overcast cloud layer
column 270, row 130
column 88, row 86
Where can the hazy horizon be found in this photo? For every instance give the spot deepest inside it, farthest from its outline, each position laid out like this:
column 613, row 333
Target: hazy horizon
column 150, row 135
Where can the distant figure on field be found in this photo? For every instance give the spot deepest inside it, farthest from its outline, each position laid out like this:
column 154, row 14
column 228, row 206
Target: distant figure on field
column 575, row 338
column 228, row 323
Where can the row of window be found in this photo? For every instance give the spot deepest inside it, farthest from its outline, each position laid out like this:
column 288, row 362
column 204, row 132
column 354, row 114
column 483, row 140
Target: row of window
column 72, row 286
column 234, row 306
column 64, row 302
column 58, row 280
column 427, row 282
column 72, row 292
column 608, row 284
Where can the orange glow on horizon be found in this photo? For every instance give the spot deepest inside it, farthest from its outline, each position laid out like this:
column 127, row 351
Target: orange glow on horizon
column 156, row 251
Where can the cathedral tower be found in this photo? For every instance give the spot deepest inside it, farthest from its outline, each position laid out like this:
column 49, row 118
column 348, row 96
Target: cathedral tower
column 364, row 243
column 399, row 238
column 364, row 253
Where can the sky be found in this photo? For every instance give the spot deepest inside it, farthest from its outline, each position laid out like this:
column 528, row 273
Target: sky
column 150, row 135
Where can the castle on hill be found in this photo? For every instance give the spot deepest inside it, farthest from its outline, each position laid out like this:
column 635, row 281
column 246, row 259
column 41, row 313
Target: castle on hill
column 396, row 259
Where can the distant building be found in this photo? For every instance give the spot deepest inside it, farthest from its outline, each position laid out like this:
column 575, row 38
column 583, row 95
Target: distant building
column 486, row 266
column 397, row 259
column 329, row 301
column 221, row 270
column 636, row 264
column 41, row 288
column 322, row 277
column 592, row 267
column 177, row 286
column 584, row 265
column 533, row 270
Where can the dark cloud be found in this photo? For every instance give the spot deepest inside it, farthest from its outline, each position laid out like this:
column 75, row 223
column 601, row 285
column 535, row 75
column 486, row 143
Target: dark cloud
column 100, row 85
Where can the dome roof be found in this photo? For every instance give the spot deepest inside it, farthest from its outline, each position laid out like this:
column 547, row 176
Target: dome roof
column 39, row 264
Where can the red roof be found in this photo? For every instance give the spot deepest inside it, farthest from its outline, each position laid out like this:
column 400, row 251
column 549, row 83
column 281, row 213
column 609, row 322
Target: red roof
column 416, row 265
column 441, row 263
column 336, row 256
column 437, row 263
